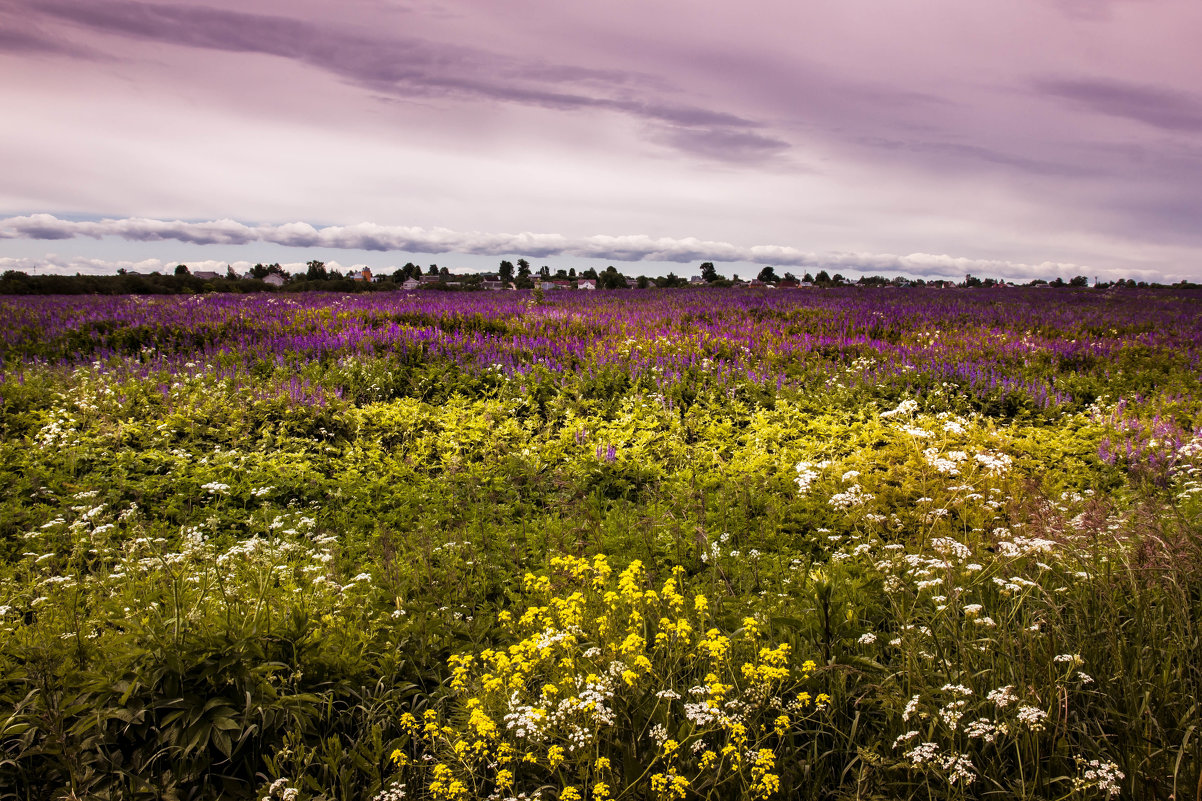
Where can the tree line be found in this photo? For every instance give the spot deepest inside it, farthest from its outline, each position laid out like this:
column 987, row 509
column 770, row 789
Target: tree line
column 517, row 274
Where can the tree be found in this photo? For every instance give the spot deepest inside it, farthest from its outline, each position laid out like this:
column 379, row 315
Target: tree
column 768, row 275
column 433, row 270
column 708, row 273
column 544, row 271
column 506, row 271
column 182, row 269
column 316, row 271
column 809, row 279
column 572, row 272
column 523, row 268
column 611, row 279
column 823, row 278
column 229, row 273
column 589, row 273
column 1079, row 280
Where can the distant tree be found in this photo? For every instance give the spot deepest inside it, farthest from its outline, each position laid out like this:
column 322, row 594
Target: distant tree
column 444, row 272
column 544, row 271
column 971, row 280
column 611, row 279
column 823, row 278
column 768, row 275
column 1079, row 280
column 506, row 271
column 1058, row 282
column 642, row 282
column 709, row 273
column 182, row 269
column 433, row 270
column 523, row 268
column 316, row 271
column 229, row 273
column 561, row 274
column 589, row 273
column 572, row 272
column 790, row 277
column 838, row 280
column 808, row 278
column 122, row 271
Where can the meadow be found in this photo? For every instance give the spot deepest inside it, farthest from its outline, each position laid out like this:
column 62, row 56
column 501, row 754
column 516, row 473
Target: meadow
column 665, row 544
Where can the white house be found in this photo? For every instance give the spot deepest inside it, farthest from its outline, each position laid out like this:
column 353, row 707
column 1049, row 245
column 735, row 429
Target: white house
column 275, row 279
column 586, row 283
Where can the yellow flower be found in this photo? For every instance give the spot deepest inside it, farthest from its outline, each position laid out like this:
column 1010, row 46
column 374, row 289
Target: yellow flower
column 602, row 763
column 600, row 791
column 569, row 794
column 554, row 756
column 707, row 760
column 632, row 644
column 504, row 778
column 764, row 782
column 669, row 786
column 781, row 725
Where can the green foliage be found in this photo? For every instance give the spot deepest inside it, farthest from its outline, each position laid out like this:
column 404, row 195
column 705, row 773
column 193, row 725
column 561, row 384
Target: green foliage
column 213, row 588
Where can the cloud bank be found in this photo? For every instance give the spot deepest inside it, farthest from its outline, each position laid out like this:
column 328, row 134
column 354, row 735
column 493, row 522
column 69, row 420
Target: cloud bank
column 407, row 239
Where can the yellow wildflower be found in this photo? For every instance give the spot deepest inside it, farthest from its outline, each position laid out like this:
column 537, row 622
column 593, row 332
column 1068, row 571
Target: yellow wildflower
column 554, row 756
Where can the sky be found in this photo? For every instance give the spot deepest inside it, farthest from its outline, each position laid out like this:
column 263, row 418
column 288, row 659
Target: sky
column 929, row 138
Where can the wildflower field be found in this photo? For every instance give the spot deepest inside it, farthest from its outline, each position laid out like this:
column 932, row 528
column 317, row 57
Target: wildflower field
column 671, row 545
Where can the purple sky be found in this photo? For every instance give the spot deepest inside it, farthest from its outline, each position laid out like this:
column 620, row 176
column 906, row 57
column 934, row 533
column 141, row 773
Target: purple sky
column 931, row 138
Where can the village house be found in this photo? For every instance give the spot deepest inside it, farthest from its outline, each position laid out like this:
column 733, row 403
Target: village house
column 274, row 279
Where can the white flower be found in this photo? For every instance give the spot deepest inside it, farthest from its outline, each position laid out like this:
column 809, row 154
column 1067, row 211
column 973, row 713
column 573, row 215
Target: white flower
column 907, row 406
column 923, row 753
column 911, row 708
column 1104, row 776
column 1003, row 696
column 868, row 638
column 1032, row 716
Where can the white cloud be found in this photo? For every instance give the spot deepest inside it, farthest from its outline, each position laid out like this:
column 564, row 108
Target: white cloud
column 407, row 239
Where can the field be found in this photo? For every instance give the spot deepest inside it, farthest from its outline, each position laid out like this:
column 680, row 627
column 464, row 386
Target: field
column 669, row 544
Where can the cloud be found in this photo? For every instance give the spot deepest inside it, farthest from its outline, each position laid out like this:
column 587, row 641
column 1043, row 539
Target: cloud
column 416, row 67
column 405, row 239
column 1160, row 108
